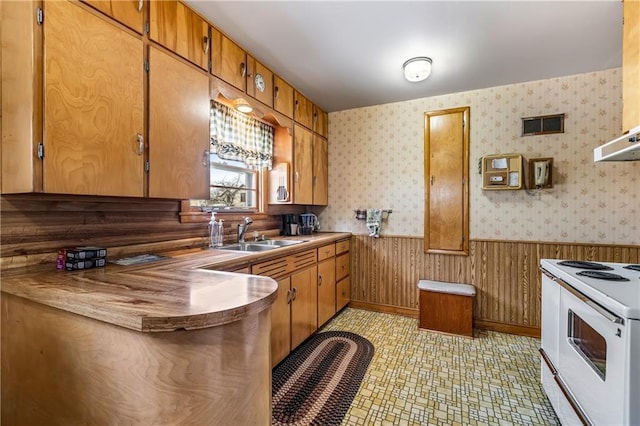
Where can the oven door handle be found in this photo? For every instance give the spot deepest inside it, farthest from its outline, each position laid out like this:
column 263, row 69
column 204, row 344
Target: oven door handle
column 599, row 309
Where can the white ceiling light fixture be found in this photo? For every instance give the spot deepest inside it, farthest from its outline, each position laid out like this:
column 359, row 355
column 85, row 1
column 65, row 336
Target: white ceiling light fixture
column 417, row 69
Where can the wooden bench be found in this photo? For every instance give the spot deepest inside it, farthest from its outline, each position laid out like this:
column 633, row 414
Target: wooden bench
column 446, row 307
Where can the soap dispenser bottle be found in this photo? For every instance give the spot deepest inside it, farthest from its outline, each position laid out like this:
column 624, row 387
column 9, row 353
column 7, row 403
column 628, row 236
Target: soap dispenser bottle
column 213, row 231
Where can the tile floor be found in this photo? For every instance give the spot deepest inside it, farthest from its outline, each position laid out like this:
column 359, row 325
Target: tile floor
column 426, row 378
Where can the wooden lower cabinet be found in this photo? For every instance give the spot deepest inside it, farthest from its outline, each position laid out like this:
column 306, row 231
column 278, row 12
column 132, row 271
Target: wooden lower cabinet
column 326, row 290
column 304, row 301
column 281, row 322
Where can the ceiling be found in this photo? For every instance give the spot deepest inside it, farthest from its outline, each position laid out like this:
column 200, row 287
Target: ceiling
column 349, row 54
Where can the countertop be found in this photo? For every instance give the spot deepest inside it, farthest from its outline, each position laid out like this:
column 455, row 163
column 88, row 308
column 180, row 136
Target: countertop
column 187, row 290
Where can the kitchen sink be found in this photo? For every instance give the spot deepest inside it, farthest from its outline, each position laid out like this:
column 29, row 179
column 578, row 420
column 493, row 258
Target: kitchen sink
column 277, row 243
column 257, row 246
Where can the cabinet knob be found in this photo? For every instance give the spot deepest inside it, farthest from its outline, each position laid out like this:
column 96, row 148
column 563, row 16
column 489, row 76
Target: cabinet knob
column 243, row 69
column 140, row 3
column 319, row 279
column 294, row 294
column 276, row 92
column 205, row 158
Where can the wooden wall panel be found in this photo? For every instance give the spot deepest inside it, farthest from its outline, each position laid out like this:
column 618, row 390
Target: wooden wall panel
column 35, row 226
column 385, row 272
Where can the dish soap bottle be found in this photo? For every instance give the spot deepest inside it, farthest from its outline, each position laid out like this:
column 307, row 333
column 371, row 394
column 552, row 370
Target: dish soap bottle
column 213, row 231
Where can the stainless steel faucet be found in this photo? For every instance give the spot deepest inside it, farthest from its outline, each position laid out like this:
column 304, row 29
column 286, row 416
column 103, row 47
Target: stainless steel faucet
column 243, row 227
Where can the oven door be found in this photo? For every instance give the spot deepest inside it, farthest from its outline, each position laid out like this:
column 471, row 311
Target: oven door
column 592, row 357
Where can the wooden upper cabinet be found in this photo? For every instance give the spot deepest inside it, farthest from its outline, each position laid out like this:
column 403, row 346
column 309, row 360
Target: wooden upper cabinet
column 320, row 122
column 228, row 60
column 282, row 96
column 127, row 12
column 302, row 165
column 179, row 107
column 302, row 110
column 320, row 171
column 93, row 105
column 259, row 82
column 631, row 65
column 446, row 163
column 181, row 30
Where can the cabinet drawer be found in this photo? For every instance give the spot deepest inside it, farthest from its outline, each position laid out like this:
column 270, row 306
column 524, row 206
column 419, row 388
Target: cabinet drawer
column 342, row 246
column 326, row 252
column 342, row 266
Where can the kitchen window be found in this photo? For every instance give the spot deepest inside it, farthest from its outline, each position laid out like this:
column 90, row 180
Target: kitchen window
column 241, row 150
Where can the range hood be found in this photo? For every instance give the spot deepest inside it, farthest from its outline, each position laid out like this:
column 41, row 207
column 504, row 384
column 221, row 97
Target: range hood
column 624, row 148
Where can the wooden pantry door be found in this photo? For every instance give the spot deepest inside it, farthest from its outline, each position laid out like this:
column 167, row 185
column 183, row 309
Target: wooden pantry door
column 446, row 171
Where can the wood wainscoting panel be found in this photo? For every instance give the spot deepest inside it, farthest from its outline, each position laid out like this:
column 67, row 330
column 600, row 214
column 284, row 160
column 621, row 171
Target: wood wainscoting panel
column 385, row 273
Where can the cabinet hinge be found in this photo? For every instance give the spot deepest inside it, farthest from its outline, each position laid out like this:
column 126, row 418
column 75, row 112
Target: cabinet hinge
column 464, row 123
column 210, row 65
column 146, row 166
column 40, row 151
column 146, row 65
column 146, row 27
column 39, row 16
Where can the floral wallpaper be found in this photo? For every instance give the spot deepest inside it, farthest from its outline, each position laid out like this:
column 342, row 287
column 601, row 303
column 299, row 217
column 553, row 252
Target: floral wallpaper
column 376, row 157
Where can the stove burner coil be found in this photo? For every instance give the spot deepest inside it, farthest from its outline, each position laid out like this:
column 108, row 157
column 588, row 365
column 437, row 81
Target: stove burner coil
column 632, row 267
column 585, row 265
column 599, row 275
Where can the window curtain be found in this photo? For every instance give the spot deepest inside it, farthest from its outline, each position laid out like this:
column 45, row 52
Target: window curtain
column 237, row 136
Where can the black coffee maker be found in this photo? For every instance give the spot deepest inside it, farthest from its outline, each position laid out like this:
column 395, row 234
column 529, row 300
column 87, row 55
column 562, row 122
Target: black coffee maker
column 289, row 225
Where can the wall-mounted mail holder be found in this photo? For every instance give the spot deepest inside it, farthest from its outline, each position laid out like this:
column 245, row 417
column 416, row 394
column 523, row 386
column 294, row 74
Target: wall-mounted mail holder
column 502, row 171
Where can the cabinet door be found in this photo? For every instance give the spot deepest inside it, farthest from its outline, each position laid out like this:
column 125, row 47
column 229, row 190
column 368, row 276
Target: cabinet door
column 631, row 65
column 178, row 129
column 93, row 105
column 281, row 322
column 302, row 110
column 228, row 60
column 320, row 122
column 127, row 12
column 320, row 171
column 326, row 290
column 259, row 82
column 302, row 166
column 446, row 176
column 304, row 316
column 343, row 293
column 282, row 97
column 181, row 30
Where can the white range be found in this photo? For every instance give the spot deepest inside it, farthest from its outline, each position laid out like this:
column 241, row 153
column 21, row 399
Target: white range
column 591, row 341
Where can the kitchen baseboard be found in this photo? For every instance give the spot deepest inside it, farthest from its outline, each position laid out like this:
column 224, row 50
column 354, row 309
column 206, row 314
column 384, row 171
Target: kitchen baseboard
column 387, row 309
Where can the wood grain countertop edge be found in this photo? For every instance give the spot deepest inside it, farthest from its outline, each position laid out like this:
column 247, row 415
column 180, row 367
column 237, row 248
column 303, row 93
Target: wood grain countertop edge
column 122, row 295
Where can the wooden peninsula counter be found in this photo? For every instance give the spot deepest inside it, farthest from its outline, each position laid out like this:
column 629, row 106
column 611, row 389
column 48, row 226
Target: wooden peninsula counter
column 172, row 342
column 166, row 343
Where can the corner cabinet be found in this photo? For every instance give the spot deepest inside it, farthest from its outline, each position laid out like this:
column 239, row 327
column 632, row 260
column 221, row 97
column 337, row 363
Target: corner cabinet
column 93, row 105
column 179, row 108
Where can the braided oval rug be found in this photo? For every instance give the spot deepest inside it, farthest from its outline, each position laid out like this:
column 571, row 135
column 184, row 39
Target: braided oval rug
column 316, row 383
